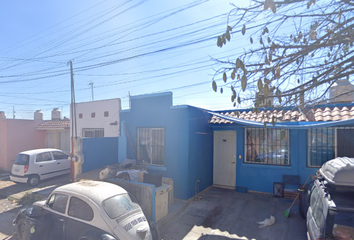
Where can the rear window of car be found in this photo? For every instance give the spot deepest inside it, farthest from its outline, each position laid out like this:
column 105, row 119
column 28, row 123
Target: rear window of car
column 22, row 159
column 119, row 205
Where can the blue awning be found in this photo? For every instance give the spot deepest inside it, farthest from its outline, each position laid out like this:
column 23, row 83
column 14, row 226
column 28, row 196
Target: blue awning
column 288, row 125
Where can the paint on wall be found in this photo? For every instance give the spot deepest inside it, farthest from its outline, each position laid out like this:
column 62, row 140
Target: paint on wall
column 188, row 144
column 99, row 152
column 102, row 114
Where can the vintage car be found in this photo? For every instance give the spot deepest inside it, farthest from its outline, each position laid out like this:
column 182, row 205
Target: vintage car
column 88, row 210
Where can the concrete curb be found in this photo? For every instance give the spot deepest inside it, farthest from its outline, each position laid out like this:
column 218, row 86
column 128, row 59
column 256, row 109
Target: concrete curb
column 37, row 194
column 4, row 176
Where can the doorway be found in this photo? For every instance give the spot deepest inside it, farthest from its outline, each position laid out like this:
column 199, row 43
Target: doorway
column 224, row 173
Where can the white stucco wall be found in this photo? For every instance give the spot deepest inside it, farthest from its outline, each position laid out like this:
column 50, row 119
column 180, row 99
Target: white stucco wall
column 110, row 124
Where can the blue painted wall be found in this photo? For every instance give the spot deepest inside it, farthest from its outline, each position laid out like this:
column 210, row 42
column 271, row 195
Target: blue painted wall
column 258, row 177
column 200, row 151
column 183, row 151
column 99, row 152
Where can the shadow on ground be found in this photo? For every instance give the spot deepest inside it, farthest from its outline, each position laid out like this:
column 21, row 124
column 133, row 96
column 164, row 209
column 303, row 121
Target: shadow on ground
column 226, row 214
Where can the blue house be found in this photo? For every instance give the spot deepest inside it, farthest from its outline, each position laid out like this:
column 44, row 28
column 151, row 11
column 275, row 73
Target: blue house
column 173, row 140
column 298, row 143
column 198, row 148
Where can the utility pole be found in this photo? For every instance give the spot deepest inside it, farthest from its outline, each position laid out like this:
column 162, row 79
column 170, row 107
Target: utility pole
column 91, row 84
column 13, row 112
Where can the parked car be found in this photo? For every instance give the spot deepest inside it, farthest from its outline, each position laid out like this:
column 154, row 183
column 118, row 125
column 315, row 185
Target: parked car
column 280, row 156
column 35, row 165
column 88, row 210
column 328, row 201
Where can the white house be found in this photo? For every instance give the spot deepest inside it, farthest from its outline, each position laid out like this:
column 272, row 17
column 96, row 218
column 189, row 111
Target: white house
column 98, row 118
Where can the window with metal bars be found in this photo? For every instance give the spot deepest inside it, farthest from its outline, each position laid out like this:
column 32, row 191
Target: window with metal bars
column 324, row 144
column 92, row 132
column 321, row 146
column 151, row 145
column 267, row 146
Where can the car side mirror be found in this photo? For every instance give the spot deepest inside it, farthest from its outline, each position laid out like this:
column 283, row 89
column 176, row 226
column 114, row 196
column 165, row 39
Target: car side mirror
column 34, row 211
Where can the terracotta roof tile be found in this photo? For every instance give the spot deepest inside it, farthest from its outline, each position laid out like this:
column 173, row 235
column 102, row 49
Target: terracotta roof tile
column 307, row 115
column 54, row 125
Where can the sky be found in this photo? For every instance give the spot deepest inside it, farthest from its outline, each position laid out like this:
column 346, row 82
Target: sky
column 118, row 47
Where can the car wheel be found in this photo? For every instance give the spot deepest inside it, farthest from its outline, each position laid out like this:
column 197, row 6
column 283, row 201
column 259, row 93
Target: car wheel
column 33, row 180
column 301, row 209
column 20, row 229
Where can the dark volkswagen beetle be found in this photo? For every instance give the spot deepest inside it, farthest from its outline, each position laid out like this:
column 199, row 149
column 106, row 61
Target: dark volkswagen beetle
column 90, row 210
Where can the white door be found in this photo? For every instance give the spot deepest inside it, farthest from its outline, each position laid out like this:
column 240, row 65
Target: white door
column 49, row 139
column 225, row 158
column 64, row 141
column 44, row 165
column 62, row 163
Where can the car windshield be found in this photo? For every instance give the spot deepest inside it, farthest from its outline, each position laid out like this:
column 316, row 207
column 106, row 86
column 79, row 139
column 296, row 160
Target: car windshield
column 119, row 205
column 22, row 159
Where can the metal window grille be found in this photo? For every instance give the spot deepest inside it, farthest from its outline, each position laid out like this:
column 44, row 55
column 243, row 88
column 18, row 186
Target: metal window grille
column 324, row 144
column 151, row 145
column 92, row 132
column 267, row 146
column 321, row 146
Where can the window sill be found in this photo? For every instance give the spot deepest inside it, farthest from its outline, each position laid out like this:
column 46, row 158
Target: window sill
column 253, row 165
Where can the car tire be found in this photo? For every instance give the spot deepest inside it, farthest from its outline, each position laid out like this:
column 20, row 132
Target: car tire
column 301, row 209
column 33, row 180
column 20, row 229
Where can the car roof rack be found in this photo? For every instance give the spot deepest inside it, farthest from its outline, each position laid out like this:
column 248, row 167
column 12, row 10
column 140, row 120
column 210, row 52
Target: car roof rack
column 338, row 172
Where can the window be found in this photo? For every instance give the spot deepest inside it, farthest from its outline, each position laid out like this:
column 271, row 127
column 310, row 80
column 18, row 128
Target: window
column 80, row 209
column 106, row 114
column 314, row 195
column 151, row 145
column 22, row 159
column 324, row 144
column 93, row 115
column 92, row 132
column 58, row 202
column 80, row 115
column 267, row 146
column 59, row 155
column 317, row 212
column 44, row 157
column 119, row 205
column 345, row 142
column 321, row 146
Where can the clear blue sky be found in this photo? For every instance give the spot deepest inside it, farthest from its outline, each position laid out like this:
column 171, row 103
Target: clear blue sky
column 132, row 46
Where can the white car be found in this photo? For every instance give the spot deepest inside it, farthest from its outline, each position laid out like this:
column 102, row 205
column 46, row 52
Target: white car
column 39, row 164
column 89, row 210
